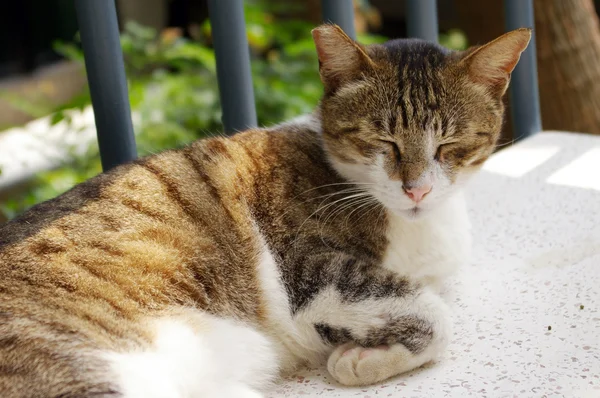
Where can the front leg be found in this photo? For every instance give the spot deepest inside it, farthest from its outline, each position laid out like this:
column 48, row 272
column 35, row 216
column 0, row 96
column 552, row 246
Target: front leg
column 417, row 333
column 377, row 323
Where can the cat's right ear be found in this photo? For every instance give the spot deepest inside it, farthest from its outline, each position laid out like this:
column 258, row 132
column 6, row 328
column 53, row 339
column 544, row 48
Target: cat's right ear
column 492, row 64
column 341, row 59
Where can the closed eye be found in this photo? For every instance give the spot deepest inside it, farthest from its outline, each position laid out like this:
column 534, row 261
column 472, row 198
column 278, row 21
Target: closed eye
column 439, row 153
column 395, row 149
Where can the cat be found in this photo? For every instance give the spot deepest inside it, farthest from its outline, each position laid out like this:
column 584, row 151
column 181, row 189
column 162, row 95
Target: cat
column 209, row 270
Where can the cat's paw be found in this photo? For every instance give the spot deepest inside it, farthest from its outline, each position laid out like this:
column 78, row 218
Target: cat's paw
column 353, row 365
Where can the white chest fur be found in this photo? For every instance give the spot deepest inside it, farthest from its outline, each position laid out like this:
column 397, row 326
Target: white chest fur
column 430, row 248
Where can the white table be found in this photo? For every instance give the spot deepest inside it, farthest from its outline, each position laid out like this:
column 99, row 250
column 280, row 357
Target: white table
column 527, row 307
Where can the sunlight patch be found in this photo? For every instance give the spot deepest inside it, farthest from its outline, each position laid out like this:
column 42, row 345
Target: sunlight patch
column 518, row 161
column 583, row 172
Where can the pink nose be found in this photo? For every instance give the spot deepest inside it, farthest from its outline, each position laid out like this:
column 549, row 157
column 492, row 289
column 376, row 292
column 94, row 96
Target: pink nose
column 416, row 194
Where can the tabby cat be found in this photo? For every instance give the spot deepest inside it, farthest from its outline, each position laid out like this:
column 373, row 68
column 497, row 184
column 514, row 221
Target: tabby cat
column 208, row 270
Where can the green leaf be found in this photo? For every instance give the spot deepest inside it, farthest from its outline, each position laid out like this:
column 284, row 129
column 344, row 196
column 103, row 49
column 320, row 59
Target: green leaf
column 192, row 52
column 57, row 118
column 454, row 39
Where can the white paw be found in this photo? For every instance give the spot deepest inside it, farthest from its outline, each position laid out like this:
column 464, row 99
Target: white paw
column 352, row 365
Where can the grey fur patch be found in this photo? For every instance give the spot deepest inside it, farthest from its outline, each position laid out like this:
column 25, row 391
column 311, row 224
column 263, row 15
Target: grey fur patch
column 412, row 332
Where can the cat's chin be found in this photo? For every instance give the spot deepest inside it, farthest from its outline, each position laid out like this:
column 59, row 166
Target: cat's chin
column 412, row 214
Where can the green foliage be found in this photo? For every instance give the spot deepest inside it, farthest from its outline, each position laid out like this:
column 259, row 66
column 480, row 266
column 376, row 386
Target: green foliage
column 174, row 95
column 454, row 39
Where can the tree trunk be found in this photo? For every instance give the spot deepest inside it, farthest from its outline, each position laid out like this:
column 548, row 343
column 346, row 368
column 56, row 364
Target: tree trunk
column 568, row 52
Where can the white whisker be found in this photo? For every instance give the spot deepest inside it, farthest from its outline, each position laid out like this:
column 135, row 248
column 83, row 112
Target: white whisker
column 340, row 209
column 327, row 206
column 362, row 205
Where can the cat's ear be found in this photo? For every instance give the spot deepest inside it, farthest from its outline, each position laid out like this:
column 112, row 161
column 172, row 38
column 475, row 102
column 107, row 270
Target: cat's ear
column 341, row 59
column 492, row 63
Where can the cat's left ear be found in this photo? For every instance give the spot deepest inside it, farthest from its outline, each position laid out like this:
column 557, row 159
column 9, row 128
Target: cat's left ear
column 492, row 63
column 341, row 59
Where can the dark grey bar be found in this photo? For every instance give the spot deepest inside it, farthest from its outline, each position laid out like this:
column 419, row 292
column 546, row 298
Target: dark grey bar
column 341, row 13
column 99, row 32
column 524, row 92
column 421, row 19
column 233, row 64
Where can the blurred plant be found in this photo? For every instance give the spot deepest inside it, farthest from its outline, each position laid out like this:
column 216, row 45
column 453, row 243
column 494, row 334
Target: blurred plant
column 174, row 95
column 454, row 39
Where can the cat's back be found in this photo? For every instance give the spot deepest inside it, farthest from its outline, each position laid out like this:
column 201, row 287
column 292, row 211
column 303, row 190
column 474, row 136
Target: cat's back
column 142, row 223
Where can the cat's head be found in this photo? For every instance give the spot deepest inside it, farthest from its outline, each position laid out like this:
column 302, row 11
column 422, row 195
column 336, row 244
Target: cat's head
column 409, row 120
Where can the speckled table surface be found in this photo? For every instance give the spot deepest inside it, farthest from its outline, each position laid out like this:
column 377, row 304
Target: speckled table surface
column 527, row 308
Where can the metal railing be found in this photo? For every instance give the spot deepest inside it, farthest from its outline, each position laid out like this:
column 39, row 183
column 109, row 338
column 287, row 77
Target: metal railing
column 233, row 64
column 524, row 91
column 99, row 31
column 106, row 74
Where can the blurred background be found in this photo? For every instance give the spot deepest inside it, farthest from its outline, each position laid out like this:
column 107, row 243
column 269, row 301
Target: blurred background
column 47, row 136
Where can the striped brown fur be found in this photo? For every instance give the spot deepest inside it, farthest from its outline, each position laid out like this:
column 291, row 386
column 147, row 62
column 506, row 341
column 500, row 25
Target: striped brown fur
column 84, row 272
